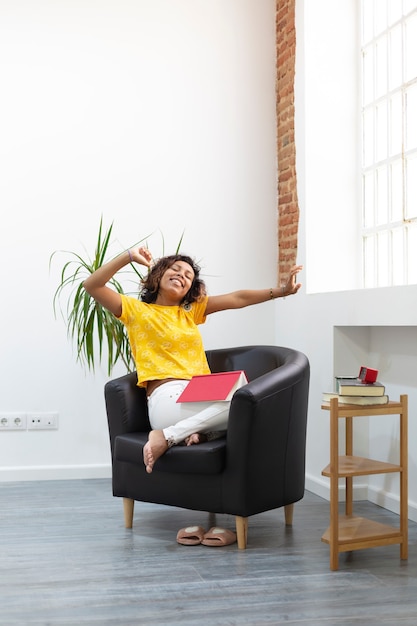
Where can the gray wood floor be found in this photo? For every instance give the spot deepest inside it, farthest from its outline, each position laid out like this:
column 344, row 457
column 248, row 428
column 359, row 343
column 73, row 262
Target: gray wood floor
column 66, row 558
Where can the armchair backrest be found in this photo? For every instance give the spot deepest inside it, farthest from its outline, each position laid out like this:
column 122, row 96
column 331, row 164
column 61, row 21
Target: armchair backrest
column 254, row 360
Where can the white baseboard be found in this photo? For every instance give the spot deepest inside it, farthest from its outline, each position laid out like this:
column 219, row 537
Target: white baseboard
column 321, row 487
column 57, row 472
column 389, row 501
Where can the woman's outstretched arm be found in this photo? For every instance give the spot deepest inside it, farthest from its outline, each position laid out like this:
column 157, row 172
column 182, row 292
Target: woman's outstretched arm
column 248, row 297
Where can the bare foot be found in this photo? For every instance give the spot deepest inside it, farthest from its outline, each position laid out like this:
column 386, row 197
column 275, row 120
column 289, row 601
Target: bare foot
column 155, row 447
column 195, row 438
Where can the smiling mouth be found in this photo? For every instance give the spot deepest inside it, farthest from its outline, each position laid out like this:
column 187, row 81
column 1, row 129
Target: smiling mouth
column 177, row 280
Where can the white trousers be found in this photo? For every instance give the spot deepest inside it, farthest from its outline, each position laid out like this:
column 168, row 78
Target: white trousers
column 179, row 420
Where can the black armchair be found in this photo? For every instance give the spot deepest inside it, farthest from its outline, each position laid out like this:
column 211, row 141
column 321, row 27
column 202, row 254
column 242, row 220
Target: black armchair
column 258, row 466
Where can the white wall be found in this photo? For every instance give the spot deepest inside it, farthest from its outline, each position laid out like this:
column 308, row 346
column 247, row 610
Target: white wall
column 341, row 330
column 157, row 114
column 327, row 47
column 160, row 114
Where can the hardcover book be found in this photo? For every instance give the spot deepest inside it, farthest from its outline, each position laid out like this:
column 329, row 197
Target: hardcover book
column 358, row 400
column 355, row 387
column 213, row 387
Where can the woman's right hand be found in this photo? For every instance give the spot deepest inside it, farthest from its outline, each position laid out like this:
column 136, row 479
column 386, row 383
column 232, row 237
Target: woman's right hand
column 96, row 283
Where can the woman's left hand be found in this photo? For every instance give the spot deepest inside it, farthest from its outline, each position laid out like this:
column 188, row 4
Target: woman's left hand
column 291, row 286
column 141, row 255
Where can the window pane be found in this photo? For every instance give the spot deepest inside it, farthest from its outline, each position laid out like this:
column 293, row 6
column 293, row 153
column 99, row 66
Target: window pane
column 383, row 259
column 411, row 48
column 368, row 137
column 368, row 75
column 396, row 191
column 412, row 253
column 395, row 58
column 411, row 118
column 382, row 196
column 380, row 9
column 409, row 5
column 394, row 11
column 411, row 187
column 397, row 256
column 381, row 66
column 367, row 20
column 369, row 261
column 395, row 125
column 368, row 200
column 381, row 131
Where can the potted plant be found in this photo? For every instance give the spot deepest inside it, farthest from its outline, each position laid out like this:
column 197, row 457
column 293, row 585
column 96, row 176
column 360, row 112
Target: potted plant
column 96, row 332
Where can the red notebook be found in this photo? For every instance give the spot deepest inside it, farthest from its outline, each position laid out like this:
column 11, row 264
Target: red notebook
column 213, row 387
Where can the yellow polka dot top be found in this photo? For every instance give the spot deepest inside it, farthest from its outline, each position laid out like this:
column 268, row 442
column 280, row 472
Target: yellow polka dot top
column 165, row 340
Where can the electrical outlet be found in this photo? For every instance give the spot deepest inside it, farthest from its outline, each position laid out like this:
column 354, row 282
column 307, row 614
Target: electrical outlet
column 12, row 421
column 42, row 421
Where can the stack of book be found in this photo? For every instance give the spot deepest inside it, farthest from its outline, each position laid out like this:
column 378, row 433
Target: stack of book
column 354, row 391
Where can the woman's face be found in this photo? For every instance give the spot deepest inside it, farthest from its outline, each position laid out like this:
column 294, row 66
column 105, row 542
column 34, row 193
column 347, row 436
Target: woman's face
column 177, row 280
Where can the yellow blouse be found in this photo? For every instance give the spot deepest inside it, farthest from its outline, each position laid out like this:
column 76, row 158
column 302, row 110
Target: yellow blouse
column 165, row 340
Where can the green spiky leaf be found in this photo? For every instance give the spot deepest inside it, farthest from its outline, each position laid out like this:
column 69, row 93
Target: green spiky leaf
column 94, row 331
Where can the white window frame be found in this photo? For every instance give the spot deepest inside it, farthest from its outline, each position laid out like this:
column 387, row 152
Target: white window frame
column 389, row 142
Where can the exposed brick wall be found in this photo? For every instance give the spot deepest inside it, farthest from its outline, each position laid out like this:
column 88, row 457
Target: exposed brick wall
column 288, row 211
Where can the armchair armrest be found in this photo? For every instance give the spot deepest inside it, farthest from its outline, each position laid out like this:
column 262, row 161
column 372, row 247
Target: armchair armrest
column 269, row 402
column 266, row 438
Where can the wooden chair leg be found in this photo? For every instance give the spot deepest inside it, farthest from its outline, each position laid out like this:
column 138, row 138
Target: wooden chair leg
column 289, row 513
column 128, row 507
column 241, row 531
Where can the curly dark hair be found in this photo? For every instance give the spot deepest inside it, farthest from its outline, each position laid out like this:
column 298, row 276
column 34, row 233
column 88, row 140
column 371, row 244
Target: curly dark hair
column 150, row 284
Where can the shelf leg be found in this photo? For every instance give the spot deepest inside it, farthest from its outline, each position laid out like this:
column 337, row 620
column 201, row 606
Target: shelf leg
column 349, row 452
column 404, row 477
column 334, row 484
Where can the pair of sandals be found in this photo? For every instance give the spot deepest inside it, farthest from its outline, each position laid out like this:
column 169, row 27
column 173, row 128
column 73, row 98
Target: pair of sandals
column 195, row 535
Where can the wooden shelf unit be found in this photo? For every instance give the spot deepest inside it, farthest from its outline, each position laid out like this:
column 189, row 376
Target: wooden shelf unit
column 348, row 532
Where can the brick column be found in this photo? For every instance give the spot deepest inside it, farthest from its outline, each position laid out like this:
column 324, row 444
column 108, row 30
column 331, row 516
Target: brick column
column 288, row 211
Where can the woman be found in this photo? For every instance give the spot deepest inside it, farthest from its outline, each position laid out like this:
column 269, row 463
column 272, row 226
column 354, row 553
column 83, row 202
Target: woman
column 166, row 343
